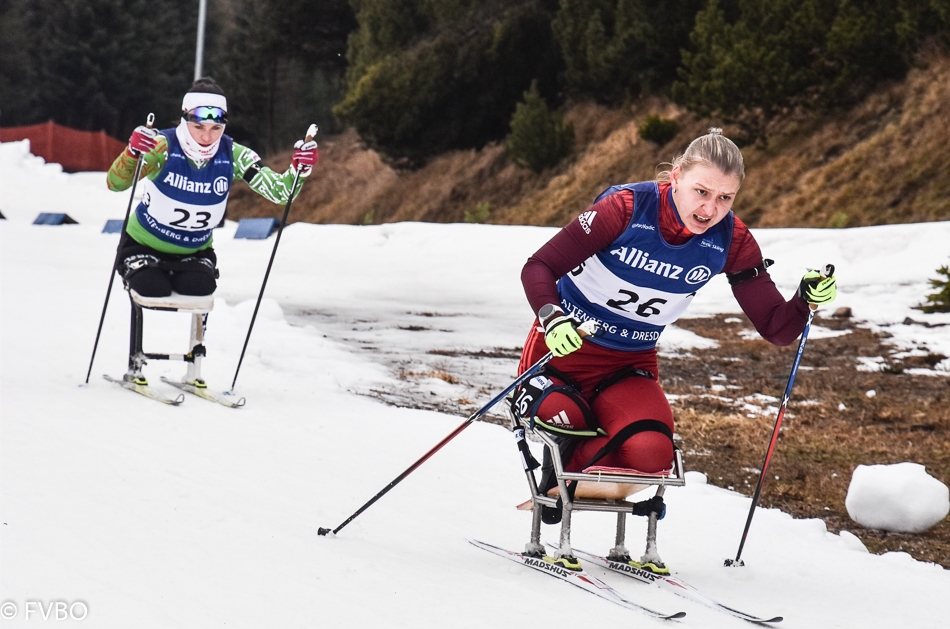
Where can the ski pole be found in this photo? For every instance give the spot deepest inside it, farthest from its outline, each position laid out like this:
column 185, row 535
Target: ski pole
column 531, row 371
column 588, row 329
column 737, row 562
column 311, row 132
column 115, row 263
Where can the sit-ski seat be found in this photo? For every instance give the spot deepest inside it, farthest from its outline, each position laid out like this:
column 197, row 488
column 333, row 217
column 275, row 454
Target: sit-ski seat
column 598, row 488
column 612, row 483
column 183, row 303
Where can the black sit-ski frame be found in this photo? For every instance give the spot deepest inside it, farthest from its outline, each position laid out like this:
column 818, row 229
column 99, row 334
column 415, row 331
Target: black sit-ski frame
column 138, row 357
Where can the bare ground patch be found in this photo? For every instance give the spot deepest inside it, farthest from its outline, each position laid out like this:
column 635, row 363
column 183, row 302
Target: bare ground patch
column 831, row 426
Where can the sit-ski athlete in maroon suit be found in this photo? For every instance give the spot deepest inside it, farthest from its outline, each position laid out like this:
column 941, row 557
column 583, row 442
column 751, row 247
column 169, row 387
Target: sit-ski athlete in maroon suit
column 633, row 261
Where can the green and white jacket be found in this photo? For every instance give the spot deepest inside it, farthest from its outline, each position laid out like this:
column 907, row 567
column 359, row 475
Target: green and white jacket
column 268, row 183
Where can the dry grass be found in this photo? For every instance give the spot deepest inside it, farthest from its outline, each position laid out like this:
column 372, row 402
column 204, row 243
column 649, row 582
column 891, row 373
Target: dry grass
column 882, row 162
column 439, row 374
column 351, row 184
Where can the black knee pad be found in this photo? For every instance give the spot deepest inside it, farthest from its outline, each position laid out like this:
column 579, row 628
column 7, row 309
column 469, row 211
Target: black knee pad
column 149, row 282
column 195, row 274
column 191, row 283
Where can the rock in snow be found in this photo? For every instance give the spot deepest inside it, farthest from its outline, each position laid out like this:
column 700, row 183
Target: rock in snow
column 902, row 498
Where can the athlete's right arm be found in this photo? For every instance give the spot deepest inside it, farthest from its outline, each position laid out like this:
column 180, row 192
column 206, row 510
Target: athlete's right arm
column 579, row 240
column 122, row 170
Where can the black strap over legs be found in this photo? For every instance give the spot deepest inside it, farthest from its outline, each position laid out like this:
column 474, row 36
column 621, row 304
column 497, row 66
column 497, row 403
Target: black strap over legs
column 623, row 374
column 654, row 504
column 203, row 261
column 643, row 425
column 135, row 257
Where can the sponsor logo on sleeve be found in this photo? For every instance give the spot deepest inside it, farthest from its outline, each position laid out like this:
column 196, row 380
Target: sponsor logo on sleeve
column 586, row 220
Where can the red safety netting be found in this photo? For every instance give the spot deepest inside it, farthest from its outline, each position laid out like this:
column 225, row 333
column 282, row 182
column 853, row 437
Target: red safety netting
column 75, row 150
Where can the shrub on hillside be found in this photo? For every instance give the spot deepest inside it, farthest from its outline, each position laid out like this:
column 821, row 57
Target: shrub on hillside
column 479, row 214
column 657, row 129
column 940, row 300
column 538, row 139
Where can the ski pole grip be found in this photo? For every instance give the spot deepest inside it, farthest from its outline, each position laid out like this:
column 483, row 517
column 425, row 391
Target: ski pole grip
column 150, row 120
column 827, row 271
column 311, row 132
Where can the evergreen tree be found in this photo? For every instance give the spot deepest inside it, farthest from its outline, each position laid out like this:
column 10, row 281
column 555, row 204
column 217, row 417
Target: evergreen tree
column 870, row 40
column 105, row 64
column 282, row 66
column 16, row 69
column 100, row 64
column 538, row 139
column 385, row 27
column 615, row 49
column 940, row 300
column 762, row 60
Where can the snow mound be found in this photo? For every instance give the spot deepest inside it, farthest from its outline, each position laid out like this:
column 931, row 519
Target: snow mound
column 902, row 498
column 31, row 186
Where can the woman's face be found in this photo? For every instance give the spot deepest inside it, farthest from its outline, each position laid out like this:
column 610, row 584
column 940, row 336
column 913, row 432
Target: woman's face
column 703, row 195
column 205, row 133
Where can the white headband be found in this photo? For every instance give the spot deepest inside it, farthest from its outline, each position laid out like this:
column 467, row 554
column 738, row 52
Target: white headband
column 203, row 99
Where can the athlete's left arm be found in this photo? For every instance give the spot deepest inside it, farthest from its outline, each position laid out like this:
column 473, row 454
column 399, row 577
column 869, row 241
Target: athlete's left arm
column 271, row 185
column 778, row 321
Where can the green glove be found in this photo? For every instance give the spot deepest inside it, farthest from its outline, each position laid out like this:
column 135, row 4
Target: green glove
column 560, row 332
column 817, row 288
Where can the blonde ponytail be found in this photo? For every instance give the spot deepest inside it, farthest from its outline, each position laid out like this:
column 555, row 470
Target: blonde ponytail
column 713, row 149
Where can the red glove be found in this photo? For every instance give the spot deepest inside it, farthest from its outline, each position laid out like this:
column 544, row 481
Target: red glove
column 305, row 156
column 143, row 140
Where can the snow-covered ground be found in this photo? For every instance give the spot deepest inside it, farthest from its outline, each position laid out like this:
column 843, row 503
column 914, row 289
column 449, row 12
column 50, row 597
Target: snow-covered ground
column 201, row 516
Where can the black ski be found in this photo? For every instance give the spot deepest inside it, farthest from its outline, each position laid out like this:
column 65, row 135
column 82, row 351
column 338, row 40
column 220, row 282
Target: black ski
column 147, row 391
column 203, row 392
column 580, row 578
column 671, row 583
